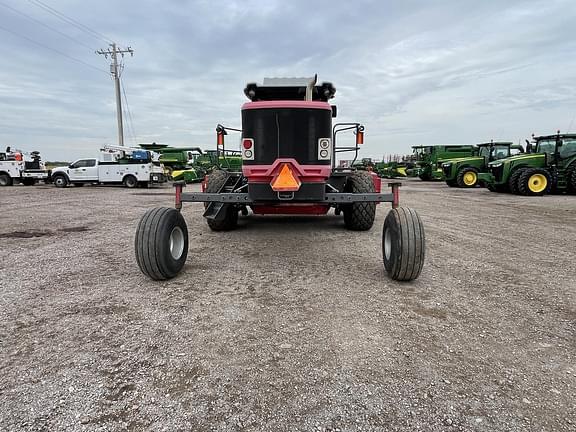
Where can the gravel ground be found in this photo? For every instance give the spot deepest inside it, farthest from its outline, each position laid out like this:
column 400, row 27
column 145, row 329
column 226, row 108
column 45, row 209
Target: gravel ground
column 287, row 323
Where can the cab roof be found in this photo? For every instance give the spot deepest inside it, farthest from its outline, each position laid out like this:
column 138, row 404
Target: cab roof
column 274, row 89
column 560, row 136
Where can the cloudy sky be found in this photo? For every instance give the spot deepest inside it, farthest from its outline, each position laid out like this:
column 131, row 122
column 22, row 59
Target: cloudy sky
column 413, row 71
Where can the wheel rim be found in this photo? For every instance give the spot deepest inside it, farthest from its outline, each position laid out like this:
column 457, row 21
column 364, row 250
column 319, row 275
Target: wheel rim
column 59, row 181
column 3, row 181
column 387, row 244
column 176, row 243
column 470, row 178
column 537, row 183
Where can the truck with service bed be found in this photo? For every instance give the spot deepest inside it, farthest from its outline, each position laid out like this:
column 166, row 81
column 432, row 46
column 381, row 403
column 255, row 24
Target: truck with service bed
column 131, row 167
column 17, row 166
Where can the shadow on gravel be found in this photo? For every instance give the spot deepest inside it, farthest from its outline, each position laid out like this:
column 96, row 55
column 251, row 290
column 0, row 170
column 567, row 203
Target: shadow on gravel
column 43, row 233
column 305, row 224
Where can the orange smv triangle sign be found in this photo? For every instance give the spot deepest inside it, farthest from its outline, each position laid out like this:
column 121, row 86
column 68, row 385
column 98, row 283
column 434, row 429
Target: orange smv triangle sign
column 285, row 181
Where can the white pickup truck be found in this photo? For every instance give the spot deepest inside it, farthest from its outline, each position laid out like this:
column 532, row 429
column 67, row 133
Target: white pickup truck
column 19, row 167
column 138, row 169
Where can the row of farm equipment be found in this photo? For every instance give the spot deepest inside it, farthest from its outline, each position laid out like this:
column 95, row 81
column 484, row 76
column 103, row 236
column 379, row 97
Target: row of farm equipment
column 547, row 164
column 129, row 166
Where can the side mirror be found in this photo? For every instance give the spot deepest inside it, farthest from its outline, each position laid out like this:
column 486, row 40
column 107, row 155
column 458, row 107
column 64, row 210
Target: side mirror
column 334, row 111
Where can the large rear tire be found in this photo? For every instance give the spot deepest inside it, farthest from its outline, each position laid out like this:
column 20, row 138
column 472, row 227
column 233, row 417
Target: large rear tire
column 216, row 181
column 403, row 244
column 5, row 180
column 360, row 216
column 161, row 243
column 571, row 178
column 513, row 180
column 534, row 182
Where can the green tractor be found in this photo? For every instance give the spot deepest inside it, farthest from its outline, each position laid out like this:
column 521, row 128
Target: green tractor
column 465, row 172
column 427, row 158
column 549, row 165
column 395, row 167
column 179, row 161
column 230, row 160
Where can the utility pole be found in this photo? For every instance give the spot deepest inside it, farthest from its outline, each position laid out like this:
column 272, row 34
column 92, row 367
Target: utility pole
column 116, row 70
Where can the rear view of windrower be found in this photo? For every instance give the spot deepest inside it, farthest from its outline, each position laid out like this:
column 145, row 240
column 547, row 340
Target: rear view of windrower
column 289, row 150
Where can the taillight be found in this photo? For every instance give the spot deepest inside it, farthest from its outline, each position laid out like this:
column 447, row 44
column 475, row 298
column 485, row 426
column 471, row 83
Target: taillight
column 324, row 149
column 247, row 149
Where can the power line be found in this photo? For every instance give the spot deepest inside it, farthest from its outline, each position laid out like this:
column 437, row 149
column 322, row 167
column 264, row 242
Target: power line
column 70, row 20
column 45, row 25
column 52, row 49
column 130, row 121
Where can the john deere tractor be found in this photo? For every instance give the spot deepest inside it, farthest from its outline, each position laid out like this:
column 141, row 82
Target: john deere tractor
column 465, row 172
column 549, row 166
column 426, row 159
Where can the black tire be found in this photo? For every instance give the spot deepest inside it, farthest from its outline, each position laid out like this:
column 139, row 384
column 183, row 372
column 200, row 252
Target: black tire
column 359, row 216
column 534, row 182
column 216, row 180
column 60, row 181
column 130, row 181
column 452, row 183
column 462, row 177
column 5, row 180
column 161, row 243
column 513, row 180
column 571, row 178
column 403, row 244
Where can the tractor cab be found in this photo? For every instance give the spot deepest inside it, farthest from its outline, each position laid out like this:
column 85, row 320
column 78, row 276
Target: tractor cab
column 556, row 147
column 498, row 150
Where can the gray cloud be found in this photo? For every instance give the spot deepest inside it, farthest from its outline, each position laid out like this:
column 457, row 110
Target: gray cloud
column 414, row 72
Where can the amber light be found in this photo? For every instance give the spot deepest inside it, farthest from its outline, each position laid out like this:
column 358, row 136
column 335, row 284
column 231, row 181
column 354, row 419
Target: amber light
column 359, row 137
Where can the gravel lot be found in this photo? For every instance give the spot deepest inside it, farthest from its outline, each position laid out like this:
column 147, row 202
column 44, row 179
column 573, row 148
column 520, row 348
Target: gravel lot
column 287, row 324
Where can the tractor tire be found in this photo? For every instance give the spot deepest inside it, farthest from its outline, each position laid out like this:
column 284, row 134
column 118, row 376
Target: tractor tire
column 60, row 181
column 513, row 180
column 161, row 243
column 5, row 180
column 425, row 177
column 571, row 178
column 467, row 177
column 359, row 216
column 534, row 182
column 403, row 244
column 452, row 183
column 130, row 181
column 216, row 180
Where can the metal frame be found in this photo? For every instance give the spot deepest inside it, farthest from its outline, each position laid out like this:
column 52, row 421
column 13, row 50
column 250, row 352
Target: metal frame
column 341, row 127
column 244, row 198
